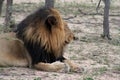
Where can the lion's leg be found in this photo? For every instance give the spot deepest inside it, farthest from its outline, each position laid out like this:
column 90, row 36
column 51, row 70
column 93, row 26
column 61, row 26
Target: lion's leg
column 54, row 67
column 73, row 66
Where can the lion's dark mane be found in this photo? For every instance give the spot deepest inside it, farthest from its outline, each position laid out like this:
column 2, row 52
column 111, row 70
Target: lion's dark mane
column 33, row 18
column 36, row 51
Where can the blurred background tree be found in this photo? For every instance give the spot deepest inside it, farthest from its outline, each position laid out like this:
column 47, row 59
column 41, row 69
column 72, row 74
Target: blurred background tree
column 1, row 4
column 8, row 16
column 49, row 3
column 106, row 30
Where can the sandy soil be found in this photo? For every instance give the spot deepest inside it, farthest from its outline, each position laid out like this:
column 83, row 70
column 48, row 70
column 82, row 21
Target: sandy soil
column 99, row 57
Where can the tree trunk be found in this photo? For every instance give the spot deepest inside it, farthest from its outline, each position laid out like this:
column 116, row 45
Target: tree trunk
column 8, row 17
column 49, row 3
column 1, row 4
column 106, row 20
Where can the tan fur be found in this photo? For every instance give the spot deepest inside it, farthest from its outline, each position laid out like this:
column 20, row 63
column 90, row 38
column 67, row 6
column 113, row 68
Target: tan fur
column 69, row 36
column 12, row 51
column 56, row 66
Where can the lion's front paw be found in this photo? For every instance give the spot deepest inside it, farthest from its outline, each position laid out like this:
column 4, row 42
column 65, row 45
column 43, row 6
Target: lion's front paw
column 58, row 65
column 62, row 67
column 66, row 68
column 77, row 69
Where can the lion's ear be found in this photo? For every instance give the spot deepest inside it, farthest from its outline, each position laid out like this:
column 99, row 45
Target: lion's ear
column 51, row 20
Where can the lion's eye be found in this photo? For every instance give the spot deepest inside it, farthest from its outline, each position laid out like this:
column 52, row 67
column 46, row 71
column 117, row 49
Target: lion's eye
column 75, row 38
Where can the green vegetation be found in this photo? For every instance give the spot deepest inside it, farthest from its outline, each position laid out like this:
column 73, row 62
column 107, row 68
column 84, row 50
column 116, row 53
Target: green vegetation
column 88, row 78
column 1, row 68
column 38, row 78
column 99, row 71
column 116, row 68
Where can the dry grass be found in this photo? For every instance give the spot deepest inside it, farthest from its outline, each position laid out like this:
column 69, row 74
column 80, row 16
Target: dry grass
column 100, row 57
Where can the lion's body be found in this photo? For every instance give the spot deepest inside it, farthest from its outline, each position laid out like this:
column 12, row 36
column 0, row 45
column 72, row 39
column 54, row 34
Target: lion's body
column 12, row 51
column 39, row 41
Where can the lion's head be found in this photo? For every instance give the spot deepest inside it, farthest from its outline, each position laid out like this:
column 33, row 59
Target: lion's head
column 69, row 35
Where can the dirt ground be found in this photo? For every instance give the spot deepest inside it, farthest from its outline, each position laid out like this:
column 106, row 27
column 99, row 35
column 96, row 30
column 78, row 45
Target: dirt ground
column 99, row 57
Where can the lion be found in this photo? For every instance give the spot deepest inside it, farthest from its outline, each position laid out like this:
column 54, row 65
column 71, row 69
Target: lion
column 39, row 42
